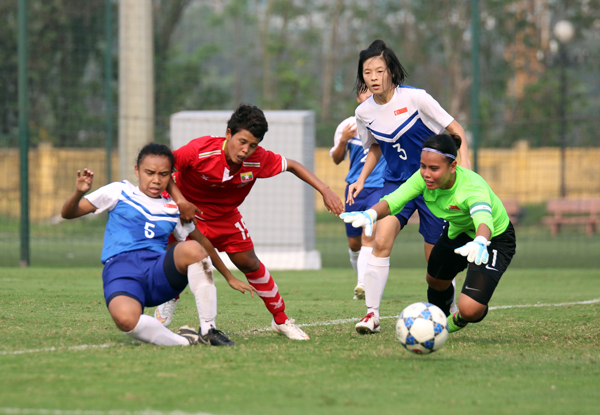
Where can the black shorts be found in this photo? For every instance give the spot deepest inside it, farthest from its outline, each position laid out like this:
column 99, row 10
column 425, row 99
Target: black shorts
column 444, row 264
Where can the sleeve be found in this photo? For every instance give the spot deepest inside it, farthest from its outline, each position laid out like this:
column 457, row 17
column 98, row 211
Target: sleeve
column 106, row 197
column 433, row 115
column 366, row 138
column 271, row 164
column 337, row 136
column 480, row 209
column 181, row 232
column 185, row 155
column 410, row 189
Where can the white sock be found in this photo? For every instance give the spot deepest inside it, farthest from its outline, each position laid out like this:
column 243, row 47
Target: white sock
column 202, row 285
column 150, row 330
column 354, row 259
column 361, row 264
column 376, row 275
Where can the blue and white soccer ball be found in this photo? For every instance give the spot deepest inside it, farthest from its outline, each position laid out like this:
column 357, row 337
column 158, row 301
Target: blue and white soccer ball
column 422, row 328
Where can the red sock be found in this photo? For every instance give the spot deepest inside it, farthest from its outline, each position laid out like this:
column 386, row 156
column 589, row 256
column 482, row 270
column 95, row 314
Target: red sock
column 262, row 281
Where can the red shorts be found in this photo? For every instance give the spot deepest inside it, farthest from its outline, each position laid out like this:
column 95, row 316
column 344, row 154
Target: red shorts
column 227, row 233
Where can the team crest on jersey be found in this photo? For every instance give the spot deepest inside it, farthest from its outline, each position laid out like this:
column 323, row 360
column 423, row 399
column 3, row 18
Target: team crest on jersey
column 452, row 207
column 246, row 177
column 170, row 208
column 401, row 111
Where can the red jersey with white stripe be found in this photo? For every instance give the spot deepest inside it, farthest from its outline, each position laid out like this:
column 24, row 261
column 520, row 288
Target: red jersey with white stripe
column 204, row 178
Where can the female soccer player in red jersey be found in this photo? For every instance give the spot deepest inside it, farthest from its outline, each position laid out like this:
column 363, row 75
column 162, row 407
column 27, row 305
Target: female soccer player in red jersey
column 214, row 176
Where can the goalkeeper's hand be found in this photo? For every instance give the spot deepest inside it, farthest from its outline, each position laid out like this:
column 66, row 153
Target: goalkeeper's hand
column 475, row 251
column 364, row 219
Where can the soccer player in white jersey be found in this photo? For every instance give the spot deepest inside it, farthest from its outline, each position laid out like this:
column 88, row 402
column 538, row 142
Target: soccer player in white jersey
column 138, row 272
column 346, row 141
column 393, row 123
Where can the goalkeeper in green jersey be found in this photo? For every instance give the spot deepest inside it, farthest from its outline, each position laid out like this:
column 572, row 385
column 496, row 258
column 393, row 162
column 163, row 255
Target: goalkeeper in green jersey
column 479, row 234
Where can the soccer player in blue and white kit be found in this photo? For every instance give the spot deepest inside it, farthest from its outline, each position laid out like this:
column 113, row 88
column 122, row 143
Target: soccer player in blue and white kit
column 394, row 122
column 138, row 272
column 346, row 141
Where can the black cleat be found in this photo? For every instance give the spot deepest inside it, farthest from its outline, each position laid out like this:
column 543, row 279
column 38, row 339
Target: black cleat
column 189, row 334
column 215, row 337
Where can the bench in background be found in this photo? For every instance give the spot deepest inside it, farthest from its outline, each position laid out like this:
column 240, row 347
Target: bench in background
column 572, row 212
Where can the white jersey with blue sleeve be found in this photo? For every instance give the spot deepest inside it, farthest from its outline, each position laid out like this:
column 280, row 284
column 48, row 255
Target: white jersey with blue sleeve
column 135, row 220
column 400, row 127
column 358, row 155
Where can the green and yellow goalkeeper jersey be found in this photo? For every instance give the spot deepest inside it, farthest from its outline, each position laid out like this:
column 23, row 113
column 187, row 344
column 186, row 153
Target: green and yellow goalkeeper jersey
column 469, row 203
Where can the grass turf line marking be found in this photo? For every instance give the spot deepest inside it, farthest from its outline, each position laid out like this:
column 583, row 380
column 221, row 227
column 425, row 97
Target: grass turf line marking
column 352, row 320
column 266, row 329
column 32, row 411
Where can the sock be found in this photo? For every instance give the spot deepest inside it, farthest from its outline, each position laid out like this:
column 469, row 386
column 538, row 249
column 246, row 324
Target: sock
column 150, row 330
column 200, row 278
column 376, row 275
column 266, row 289
column 442, row 299
column 363, row 258
column 458, row 320
column 354, row 255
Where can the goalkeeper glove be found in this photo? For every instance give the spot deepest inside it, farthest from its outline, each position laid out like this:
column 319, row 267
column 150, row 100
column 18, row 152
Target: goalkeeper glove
column 364, row 219
column 475, row 251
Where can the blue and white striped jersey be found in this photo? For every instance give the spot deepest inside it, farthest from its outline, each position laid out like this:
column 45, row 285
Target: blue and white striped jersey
column 358, row 155
column 401, row 127
column 135, row 220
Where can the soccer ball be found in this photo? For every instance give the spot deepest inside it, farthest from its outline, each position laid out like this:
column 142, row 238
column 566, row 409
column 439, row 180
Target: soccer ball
column 422, row 328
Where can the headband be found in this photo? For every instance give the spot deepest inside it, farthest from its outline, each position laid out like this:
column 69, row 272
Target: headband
column 433, row 150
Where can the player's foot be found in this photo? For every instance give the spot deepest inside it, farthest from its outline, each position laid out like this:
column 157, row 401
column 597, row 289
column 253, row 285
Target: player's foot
column 164, row 312
column 290, row 330
column 215, row 337
column 189, row 333
column 369, row 324
column 452, row 324
column 359, row 292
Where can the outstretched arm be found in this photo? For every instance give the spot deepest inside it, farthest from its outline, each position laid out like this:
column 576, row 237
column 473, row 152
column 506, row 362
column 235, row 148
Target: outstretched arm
column 187, row 210
column 76, row 206
column 219, row 265
column 332, row 201
column 370, row 163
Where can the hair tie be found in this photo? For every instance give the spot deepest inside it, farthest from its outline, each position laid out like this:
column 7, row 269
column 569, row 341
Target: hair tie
column 433, row 150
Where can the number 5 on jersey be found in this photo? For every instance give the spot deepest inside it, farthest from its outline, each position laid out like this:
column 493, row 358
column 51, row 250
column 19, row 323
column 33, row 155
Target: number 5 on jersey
column 148, row 230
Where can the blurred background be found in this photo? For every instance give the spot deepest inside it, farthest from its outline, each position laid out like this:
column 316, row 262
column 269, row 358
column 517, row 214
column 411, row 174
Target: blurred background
column 522, row 77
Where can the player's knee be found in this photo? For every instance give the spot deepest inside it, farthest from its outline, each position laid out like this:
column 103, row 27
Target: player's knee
column 437, row 284
column 354, row 244
column 125, row 321
column 473, row 314
column 192, row 252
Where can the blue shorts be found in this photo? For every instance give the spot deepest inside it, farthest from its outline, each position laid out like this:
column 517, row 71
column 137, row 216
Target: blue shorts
column 367, row 197
column 430, row 226
column 141, row 275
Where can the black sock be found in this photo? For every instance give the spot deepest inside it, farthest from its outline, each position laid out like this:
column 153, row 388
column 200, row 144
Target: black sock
column 442, row 299
column 458, row 320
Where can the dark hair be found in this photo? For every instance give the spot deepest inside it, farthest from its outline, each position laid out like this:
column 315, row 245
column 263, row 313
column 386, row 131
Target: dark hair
column 250, row 118
column 444, row 143
column 155, row 149
column 379, row 48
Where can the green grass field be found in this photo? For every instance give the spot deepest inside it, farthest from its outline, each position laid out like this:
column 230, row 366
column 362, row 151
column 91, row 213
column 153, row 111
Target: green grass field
column 537, row 352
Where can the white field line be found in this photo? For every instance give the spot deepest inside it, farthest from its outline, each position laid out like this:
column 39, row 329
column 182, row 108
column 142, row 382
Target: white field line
column 266, row 329
column 32, row 411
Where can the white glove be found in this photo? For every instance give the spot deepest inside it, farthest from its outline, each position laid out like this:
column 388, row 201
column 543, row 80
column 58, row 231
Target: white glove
column 475, row 251
column 364, row 219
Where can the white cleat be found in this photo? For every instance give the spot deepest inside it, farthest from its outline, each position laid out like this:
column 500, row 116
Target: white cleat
column 369, row 324
column 164, row 312
column 359, row 292
column 290, row 330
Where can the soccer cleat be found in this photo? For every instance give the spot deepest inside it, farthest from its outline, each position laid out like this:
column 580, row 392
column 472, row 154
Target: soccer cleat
column 452, row 325
column 359, row 292
column 190, row 334
column 289, row 329
column 215, row 337
column 369, row 324
column 164, row 312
